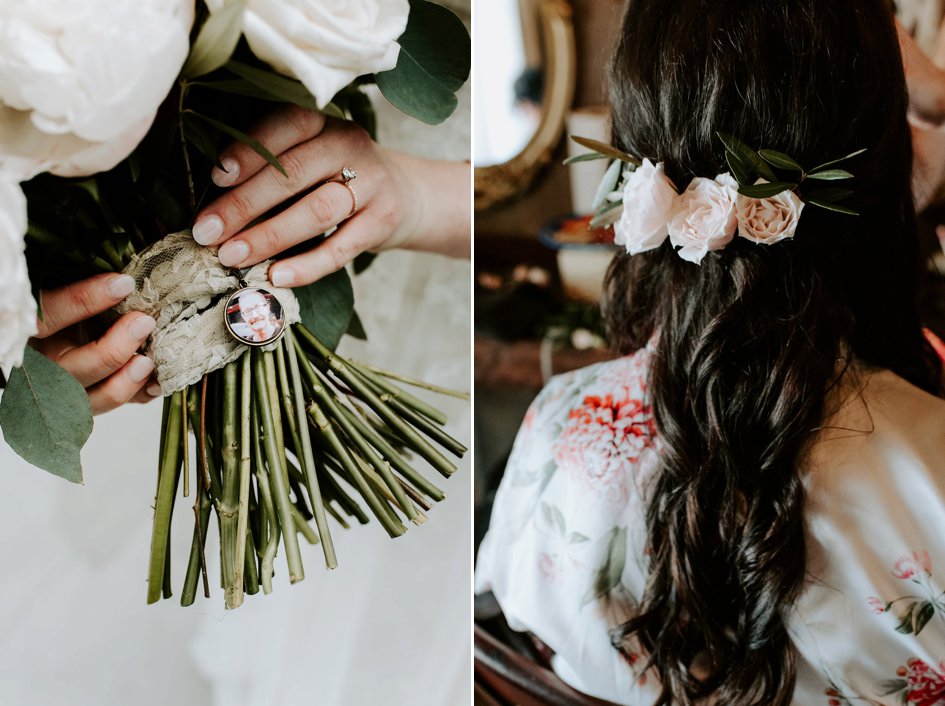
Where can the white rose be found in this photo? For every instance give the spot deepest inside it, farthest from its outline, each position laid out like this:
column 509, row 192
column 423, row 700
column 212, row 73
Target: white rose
column 17, row 307
column 81, row 82
column 648, row 203
column 705, row 218
column 325, row 44
column 769, row 220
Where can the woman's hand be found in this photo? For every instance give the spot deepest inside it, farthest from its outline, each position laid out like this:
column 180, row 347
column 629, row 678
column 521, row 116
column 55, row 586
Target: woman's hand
column 109, row 367
column 402, row 201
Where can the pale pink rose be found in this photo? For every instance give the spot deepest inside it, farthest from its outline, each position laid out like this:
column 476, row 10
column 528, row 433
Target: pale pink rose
column 705, row 217
column 769, row 220
column 910, row 565
column 877, row 605
column 649, row 199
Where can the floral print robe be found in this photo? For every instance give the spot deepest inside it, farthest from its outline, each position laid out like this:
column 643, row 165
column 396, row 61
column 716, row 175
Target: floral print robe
column 564, row 554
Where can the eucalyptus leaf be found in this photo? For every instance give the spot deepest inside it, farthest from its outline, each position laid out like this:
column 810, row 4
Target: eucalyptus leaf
column 327, row 307
column 602, row 148
column 363, row 261
column 607, row 184
column 831, row 175
column 764, row 191
column 586, row 157
column 362, row 111
column 280, row 87
column 823, row 166
column 46, row 417
column 216, row 40
column 250, row 142
column 831, row 207
column 433, row 64
column 780, row 160
column 356, row 327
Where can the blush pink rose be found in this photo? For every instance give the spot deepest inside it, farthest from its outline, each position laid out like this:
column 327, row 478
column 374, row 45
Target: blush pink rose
column 649, row 199
column 770, row 220
column 705, row 217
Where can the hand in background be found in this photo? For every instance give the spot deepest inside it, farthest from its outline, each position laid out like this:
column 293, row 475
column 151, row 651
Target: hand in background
column 402, row 201
column 109, row 367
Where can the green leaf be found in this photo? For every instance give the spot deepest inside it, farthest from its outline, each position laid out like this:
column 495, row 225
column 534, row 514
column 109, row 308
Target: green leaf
column 46, row 417
column 433, row 64
column 216, row 41
column 905, row 624
column 197, row 135
column 362, row 112
column 586, row 157
column 363, row 261
column 607, row 184
column 602, row 148
column 250, row 142
column 356, row 327
column 780, row 160
column 764, row 191
column 740, row 170
column 832, row 207
column 829, row 195
column 577, row 538
column 280, row 87
column 831, row 175
column 921, row 616
column 747, row 157
column 610, row 572
column 890, row 686
column 837, row 161
column 327, row 307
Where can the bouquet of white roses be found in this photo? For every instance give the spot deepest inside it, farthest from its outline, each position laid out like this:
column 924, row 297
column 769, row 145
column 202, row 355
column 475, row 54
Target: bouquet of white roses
column 111, row 117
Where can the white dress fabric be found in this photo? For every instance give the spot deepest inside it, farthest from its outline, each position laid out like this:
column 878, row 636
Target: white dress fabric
column 564, row 554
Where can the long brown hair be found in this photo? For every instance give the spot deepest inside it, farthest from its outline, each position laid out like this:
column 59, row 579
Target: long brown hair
column 749, row 341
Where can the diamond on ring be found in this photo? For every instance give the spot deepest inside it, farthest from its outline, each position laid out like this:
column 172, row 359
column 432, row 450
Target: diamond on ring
column 347, row 174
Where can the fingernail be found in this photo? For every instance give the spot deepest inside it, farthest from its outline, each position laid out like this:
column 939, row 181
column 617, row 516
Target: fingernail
column 140, row 368
column 233, row 253
column 229, row 174
column 142, row 326
column 208, row 229
column 121, row 286
column 154, row 390
column 282, row 276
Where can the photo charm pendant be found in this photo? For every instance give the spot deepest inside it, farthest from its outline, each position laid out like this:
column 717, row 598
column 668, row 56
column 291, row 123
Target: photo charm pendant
column 254, row 316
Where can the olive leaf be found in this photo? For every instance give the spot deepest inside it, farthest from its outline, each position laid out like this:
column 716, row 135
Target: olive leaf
column 46, row 417
column 748, row 159
column 830, row 175
column 607, row 184
column 585, row 157
column 278, row 87
column 605, row 150
column 780, row 160
column 831, row 195
column 250, row 142
column 216, row 40
column 764, row 191
column 823, row 166
column 837, row 208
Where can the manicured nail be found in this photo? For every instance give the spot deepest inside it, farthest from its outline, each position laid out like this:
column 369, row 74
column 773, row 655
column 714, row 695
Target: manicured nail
column 233, row 253
column 140, row 368
column 142, row 326
column 208, row 229
column 121, row 286
column 229, row 174
column 153, row 389
column 282, row 276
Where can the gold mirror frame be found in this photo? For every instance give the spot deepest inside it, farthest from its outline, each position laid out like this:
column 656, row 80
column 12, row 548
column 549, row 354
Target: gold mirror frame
column 501, row 182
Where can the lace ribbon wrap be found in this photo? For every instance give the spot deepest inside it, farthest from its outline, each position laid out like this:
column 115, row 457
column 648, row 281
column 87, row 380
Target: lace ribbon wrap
column 185, row 288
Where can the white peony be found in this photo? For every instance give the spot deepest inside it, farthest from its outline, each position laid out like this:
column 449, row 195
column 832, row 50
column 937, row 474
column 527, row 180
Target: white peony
column 770, row 220
column 705, row 218
column 17, row 307
column 649, row 199
column 325, row 44
column 81, row 82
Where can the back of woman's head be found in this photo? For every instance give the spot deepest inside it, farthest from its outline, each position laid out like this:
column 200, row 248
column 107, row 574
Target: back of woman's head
column 750, row 341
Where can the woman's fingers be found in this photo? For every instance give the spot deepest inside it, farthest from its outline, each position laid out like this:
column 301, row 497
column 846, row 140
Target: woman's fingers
column 317, row 213
column 342, row 246
column 81, row 300
column 95, row 361
column 277, row 133
column 306, row 165
column 122, row 386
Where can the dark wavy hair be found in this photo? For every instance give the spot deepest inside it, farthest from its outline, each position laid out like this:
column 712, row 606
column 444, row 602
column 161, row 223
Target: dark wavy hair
column 749, row 343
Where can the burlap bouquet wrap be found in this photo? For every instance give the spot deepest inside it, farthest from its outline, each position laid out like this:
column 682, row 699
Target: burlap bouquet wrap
column 185, row 288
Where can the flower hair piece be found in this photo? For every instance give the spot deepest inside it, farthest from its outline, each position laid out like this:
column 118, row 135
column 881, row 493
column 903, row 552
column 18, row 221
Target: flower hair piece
column 759, row 199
